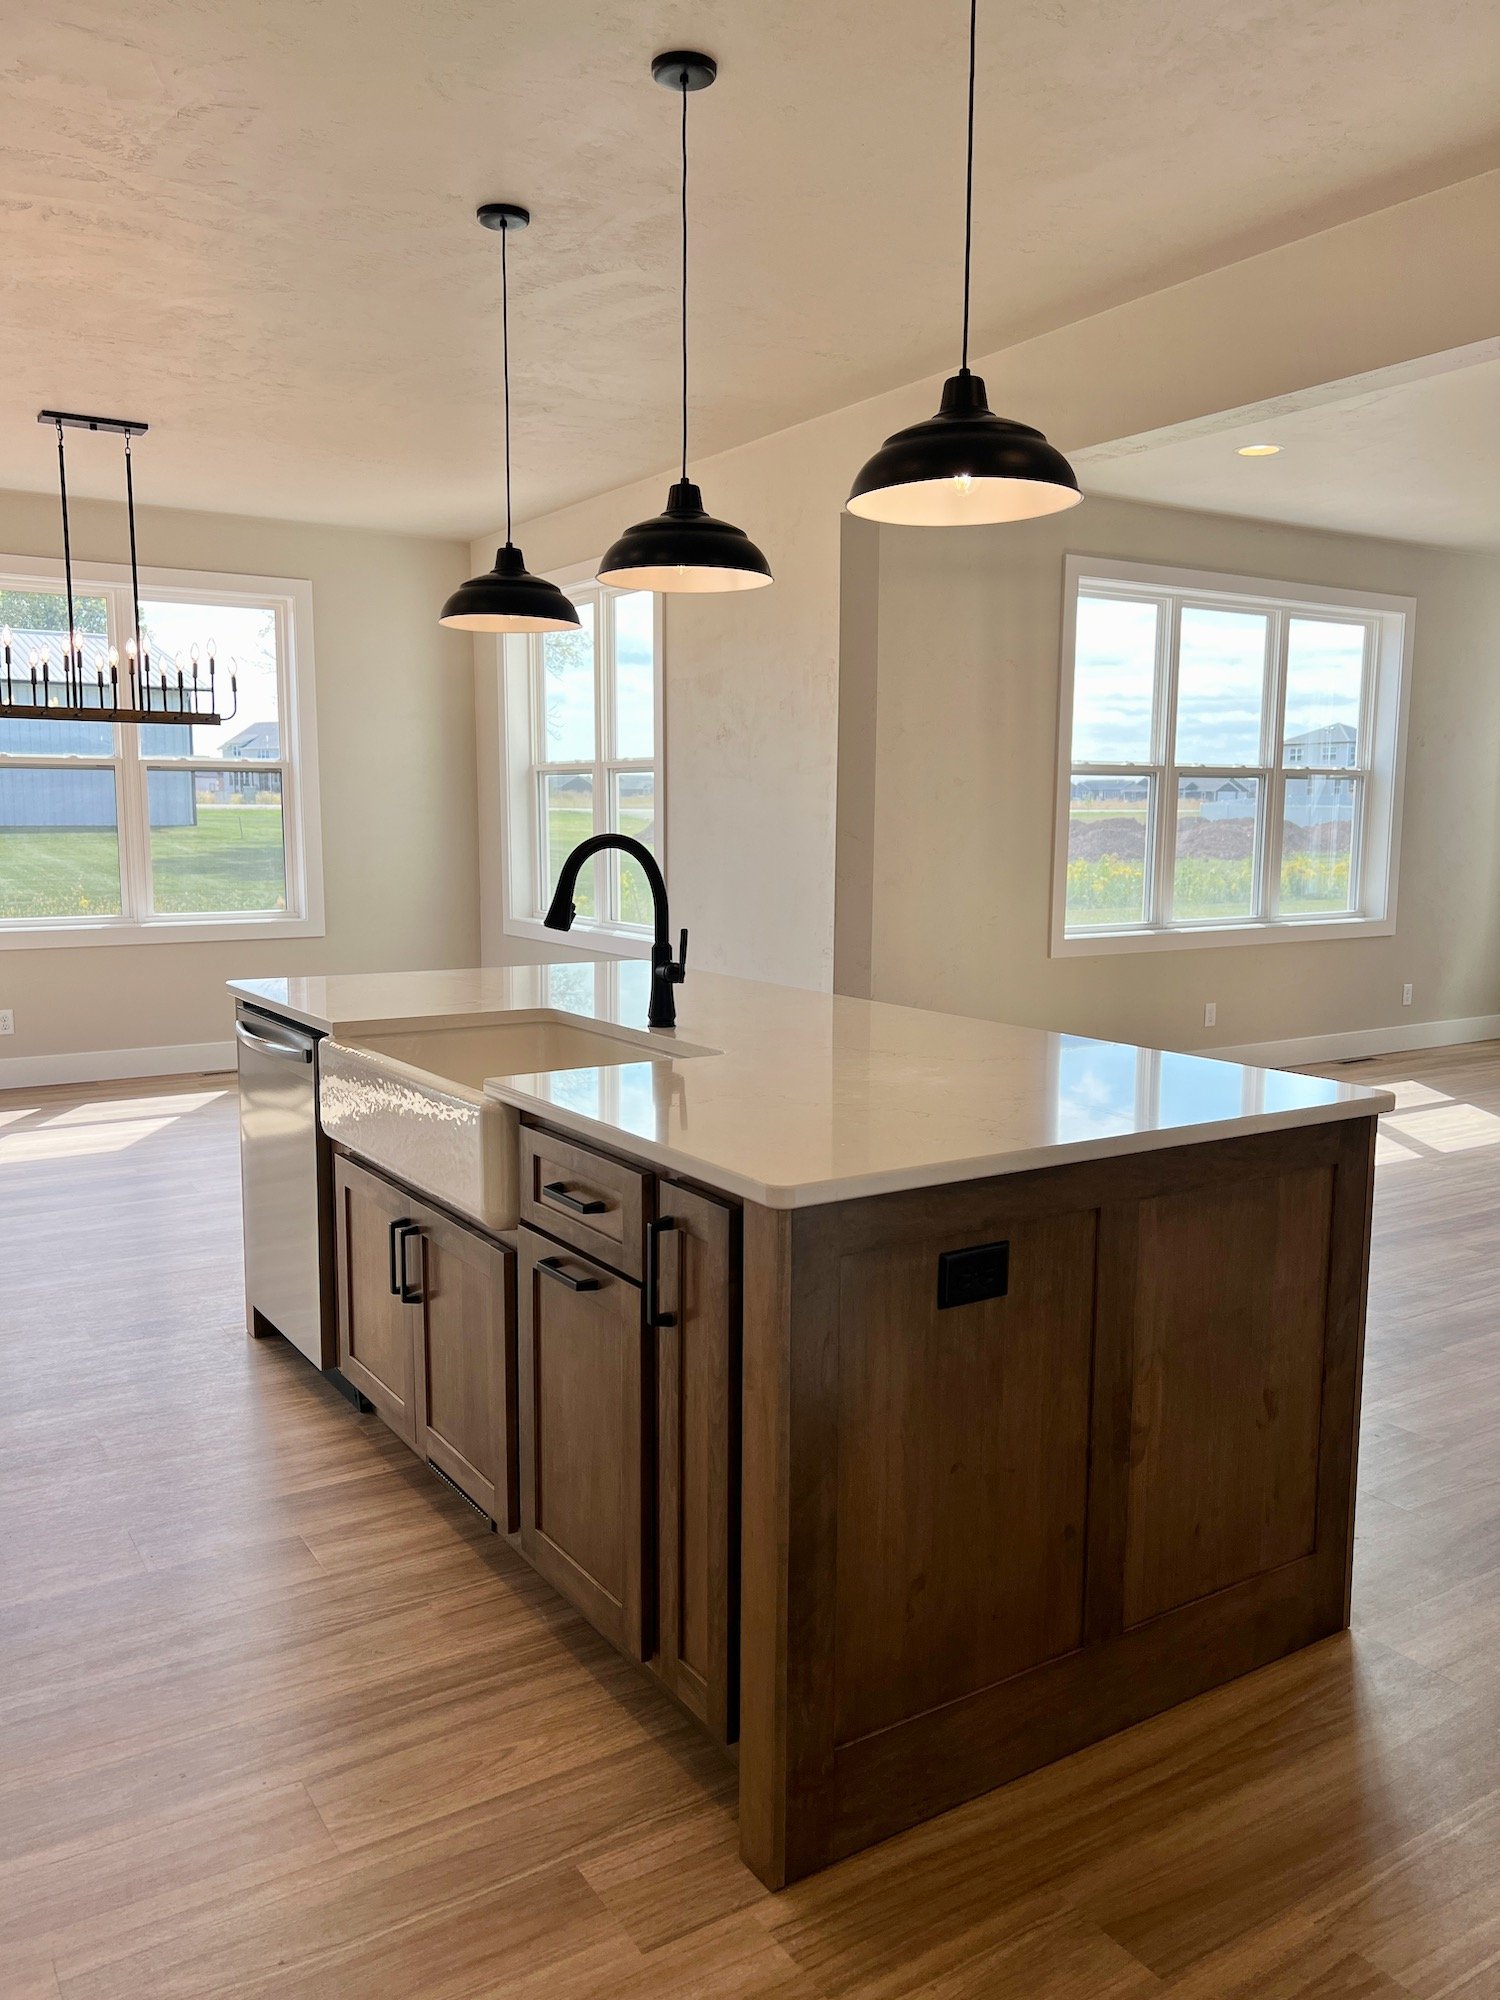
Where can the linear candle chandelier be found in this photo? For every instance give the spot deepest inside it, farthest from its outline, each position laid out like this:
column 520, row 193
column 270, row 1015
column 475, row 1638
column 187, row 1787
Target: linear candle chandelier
column 41, row 688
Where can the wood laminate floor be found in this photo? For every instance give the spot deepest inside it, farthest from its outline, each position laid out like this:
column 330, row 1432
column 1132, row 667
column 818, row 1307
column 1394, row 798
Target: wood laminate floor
column 278, row 1720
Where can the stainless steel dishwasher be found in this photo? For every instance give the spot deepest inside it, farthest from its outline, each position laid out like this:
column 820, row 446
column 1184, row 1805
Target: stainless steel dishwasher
column 287, row 1185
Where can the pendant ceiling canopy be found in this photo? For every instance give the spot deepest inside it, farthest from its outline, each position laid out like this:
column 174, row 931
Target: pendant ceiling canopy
column 684, row 548
column 507, row 598
column 964, row 467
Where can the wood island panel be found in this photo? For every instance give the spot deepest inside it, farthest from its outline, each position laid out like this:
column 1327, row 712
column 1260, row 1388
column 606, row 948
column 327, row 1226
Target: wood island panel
column 961, row 1432
column 978, row 1538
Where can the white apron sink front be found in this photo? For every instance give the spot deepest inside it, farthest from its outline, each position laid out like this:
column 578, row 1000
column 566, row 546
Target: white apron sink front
column 412, row 1101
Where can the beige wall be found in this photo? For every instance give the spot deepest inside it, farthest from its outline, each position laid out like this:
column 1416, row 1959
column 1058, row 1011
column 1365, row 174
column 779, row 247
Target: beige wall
column 396, row 743
column 754, row 747
column 955, row 810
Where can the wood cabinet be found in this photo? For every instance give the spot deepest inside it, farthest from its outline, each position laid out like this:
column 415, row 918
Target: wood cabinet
column 425, row 1332
column 461, row 1298
column 588, row 1403
column 375, row 1347
column 584, row 1451
column 693, row 1300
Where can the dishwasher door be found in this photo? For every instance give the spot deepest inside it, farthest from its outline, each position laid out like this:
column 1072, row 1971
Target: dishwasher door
column 286, row 1185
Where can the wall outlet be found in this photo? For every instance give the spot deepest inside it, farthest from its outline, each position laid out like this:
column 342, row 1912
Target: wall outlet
column 1406, row 996
column 7, row 1021
column 1210, row 1013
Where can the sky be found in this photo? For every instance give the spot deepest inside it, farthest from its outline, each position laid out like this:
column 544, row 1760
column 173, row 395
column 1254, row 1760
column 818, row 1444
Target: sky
column 569, row 703
column 1220, row 681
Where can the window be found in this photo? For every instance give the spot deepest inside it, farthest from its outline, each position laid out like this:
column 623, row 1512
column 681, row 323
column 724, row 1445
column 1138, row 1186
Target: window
column 1230, row 760
column 114, row 832
column 583, row 729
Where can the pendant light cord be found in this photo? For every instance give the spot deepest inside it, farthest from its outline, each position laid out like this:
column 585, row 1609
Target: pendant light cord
column 969, row 182
column 505, row 366
column 135, row 574
column 684, row 276
column 62, row 489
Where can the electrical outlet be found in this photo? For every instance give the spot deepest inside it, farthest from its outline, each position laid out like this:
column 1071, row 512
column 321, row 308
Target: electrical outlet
column 1406, row 996
column 1210, row 1013
column 7, row 1021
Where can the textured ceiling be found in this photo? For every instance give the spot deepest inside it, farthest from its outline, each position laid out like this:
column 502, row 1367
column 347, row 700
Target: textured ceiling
column 1416, row 457
column 250, row 223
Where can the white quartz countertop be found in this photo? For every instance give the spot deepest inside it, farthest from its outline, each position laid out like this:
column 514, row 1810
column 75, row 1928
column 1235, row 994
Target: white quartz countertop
column 808, row 1097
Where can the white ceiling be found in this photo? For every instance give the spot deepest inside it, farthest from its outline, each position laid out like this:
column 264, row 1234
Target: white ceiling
column 251, row 224
column 1415, row 457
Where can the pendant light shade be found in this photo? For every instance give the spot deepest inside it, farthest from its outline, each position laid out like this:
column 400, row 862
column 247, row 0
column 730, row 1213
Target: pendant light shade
column 507, row 598
column 684, row 549
column 964, row 467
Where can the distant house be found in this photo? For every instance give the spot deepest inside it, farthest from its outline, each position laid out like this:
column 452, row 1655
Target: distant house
column 1323, row 749
column 1224, row 798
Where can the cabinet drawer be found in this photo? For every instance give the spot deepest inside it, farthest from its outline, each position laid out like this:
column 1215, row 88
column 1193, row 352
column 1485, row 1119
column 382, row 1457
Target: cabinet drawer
column 583, row 1384
column 599, row 1204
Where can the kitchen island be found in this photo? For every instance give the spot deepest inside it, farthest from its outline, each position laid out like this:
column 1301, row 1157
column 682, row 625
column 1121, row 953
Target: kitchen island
column 920, row 1398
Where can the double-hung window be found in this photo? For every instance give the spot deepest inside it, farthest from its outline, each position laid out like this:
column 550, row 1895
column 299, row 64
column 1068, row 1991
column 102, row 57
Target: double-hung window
column 583, row 719
column 118, row 832
column 1230, row 755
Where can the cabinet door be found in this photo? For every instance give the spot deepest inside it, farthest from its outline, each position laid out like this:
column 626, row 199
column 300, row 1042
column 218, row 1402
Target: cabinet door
column 374, row 1326
column 459, row 1286
column 692, row 1300
column 583, row 1500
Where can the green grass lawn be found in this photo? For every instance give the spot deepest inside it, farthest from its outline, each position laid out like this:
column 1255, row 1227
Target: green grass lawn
column 232, row 859
column 567, row 825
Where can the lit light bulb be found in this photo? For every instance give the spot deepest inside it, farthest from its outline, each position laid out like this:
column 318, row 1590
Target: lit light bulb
column 114, row 657
column 4, row 635
column 130, row 649
column 964, row 481
column 1258, row 450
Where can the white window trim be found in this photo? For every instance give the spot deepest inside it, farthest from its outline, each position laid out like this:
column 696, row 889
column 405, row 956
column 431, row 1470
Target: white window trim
column 291, row 599
column 522, row 876
column 1389, row 689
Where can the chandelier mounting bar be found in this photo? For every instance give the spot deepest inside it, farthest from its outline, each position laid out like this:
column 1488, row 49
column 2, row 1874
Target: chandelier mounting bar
column 72, row 420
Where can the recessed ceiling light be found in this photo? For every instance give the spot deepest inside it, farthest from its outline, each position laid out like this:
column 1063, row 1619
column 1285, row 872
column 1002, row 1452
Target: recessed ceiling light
column 1259, row 450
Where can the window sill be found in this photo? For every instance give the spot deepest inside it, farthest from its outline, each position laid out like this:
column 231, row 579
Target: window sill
column 1090, row 944
column 64, row 934
column 600, row 940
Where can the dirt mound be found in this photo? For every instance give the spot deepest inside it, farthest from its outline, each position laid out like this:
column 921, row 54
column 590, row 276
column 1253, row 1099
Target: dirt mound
column 1216, row 839
column 1107, row 840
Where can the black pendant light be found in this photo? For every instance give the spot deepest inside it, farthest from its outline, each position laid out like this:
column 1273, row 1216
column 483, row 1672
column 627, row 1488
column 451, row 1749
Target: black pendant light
column 685, row 549
column 507, row 598
column 964, row 467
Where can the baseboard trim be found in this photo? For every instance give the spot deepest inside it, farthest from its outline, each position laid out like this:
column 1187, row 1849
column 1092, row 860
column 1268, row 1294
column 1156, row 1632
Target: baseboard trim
column 1362, row 1042
column 106, row 1065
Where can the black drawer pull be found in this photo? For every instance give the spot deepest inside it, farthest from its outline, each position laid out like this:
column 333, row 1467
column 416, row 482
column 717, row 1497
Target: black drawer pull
column 580, row 1204
column 410, row 1294
column 554, row 1269
column 397, row 1280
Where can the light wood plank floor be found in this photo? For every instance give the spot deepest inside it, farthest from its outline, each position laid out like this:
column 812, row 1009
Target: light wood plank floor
column 276, row 1720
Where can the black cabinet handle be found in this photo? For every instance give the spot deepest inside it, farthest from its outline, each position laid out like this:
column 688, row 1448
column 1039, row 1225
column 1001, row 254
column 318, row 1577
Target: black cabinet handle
column 397, row 1276
column 580, row 1204
column 410, row 1294
column 554, row 1269
column 654, row 1233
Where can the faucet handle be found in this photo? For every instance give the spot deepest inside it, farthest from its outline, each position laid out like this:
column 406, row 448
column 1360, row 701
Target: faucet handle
column 679, row 970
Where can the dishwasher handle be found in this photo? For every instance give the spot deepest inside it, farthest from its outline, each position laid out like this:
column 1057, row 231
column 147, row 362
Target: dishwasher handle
column 298, row 1051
